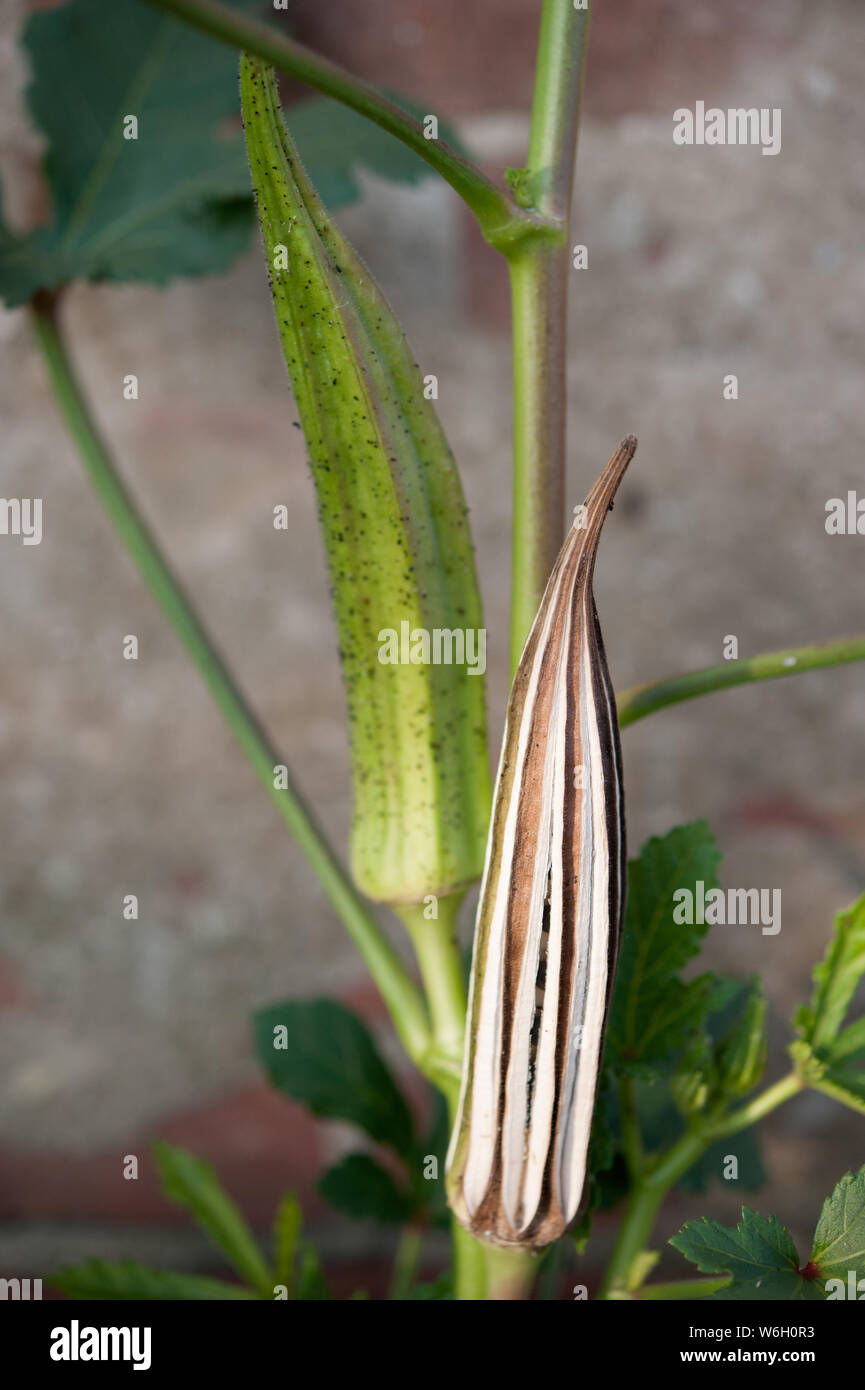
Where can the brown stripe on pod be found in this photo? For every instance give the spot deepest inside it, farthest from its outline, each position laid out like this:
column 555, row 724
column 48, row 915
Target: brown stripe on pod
column 549, row 918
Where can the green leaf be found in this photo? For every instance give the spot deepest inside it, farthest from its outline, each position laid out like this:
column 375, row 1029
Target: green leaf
column 604, row 1147
column 428, row 1193
column 758, row 1247
column 286, row 1233
column 192, row 1183
column 779, row 1286
column 839, row 1240
column 653, row 1012
column 174, row 201
column 99, row 1280
column 363, row 1190
column 322, row 1055
column 836, row 979
column 849, row 1046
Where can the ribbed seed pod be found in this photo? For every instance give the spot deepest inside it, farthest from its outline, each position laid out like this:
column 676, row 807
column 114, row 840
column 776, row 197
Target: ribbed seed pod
column 549, row 918
column 396, row 532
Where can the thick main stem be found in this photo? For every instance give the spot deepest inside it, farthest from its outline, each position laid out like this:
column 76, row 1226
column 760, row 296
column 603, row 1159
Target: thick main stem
column 539, row 275
column 510, row 1274
column 398, row 990
column 538, row 297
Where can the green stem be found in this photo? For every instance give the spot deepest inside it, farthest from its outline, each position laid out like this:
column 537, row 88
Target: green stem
column 537, row 299
column 539, row 281
column 661, row 1173
column 405, row 1263
column 503, row 223
column 842, row 1096
column 756, row 1109
column 641, row 700
column 438, row 955
column 398, row 990
column 559, row 72
column 510, row 1273
column 632, row 1142
column 440, row 963
column 632, row 1237
column 470, row 1267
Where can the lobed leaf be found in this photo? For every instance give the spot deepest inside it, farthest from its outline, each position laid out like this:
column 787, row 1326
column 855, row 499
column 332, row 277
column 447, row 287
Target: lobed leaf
column 839, row 1240
column 653, row 1012
column 758, row 1247
column 327, row 1060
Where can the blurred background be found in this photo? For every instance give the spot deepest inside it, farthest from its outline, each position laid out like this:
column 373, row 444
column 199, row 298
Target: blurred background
column 119, row 777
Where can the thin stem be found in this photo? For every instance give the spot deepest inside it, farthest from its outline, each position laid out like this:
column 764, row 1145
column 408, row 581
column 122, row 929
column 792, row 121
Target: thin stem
column 405, row 1263
column 398, row 990
column 641, row 700
column 438, row 955
column 756, row 1109
column 650, row 1189
column 681, row 1289
column 503, row 223
column 839, row 1093
column 470, row 1268
column 632, row 1142
column 539, row 282
column 439, row 960
column 633, row 1235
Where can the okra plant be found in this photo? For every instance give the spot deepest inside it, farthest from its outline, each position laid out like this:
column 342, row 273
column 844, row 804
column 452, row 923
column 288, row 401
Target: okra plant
column 582, row 1066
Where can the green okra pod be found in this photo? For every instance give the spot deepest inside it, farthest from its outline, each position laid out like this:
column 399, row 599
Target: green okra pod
column 396, row 532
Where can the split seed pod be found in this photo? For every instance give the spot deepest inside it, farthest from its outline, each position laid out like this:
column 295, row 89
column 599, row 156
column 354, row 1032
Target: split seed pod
column 549, row 918
column 395, row 529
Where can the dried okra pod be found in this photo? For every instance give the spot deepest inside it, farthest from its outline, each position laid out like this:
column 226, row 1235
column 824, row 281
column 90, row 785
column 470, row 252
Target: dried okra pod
column 549, row 918
column 396, row 532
